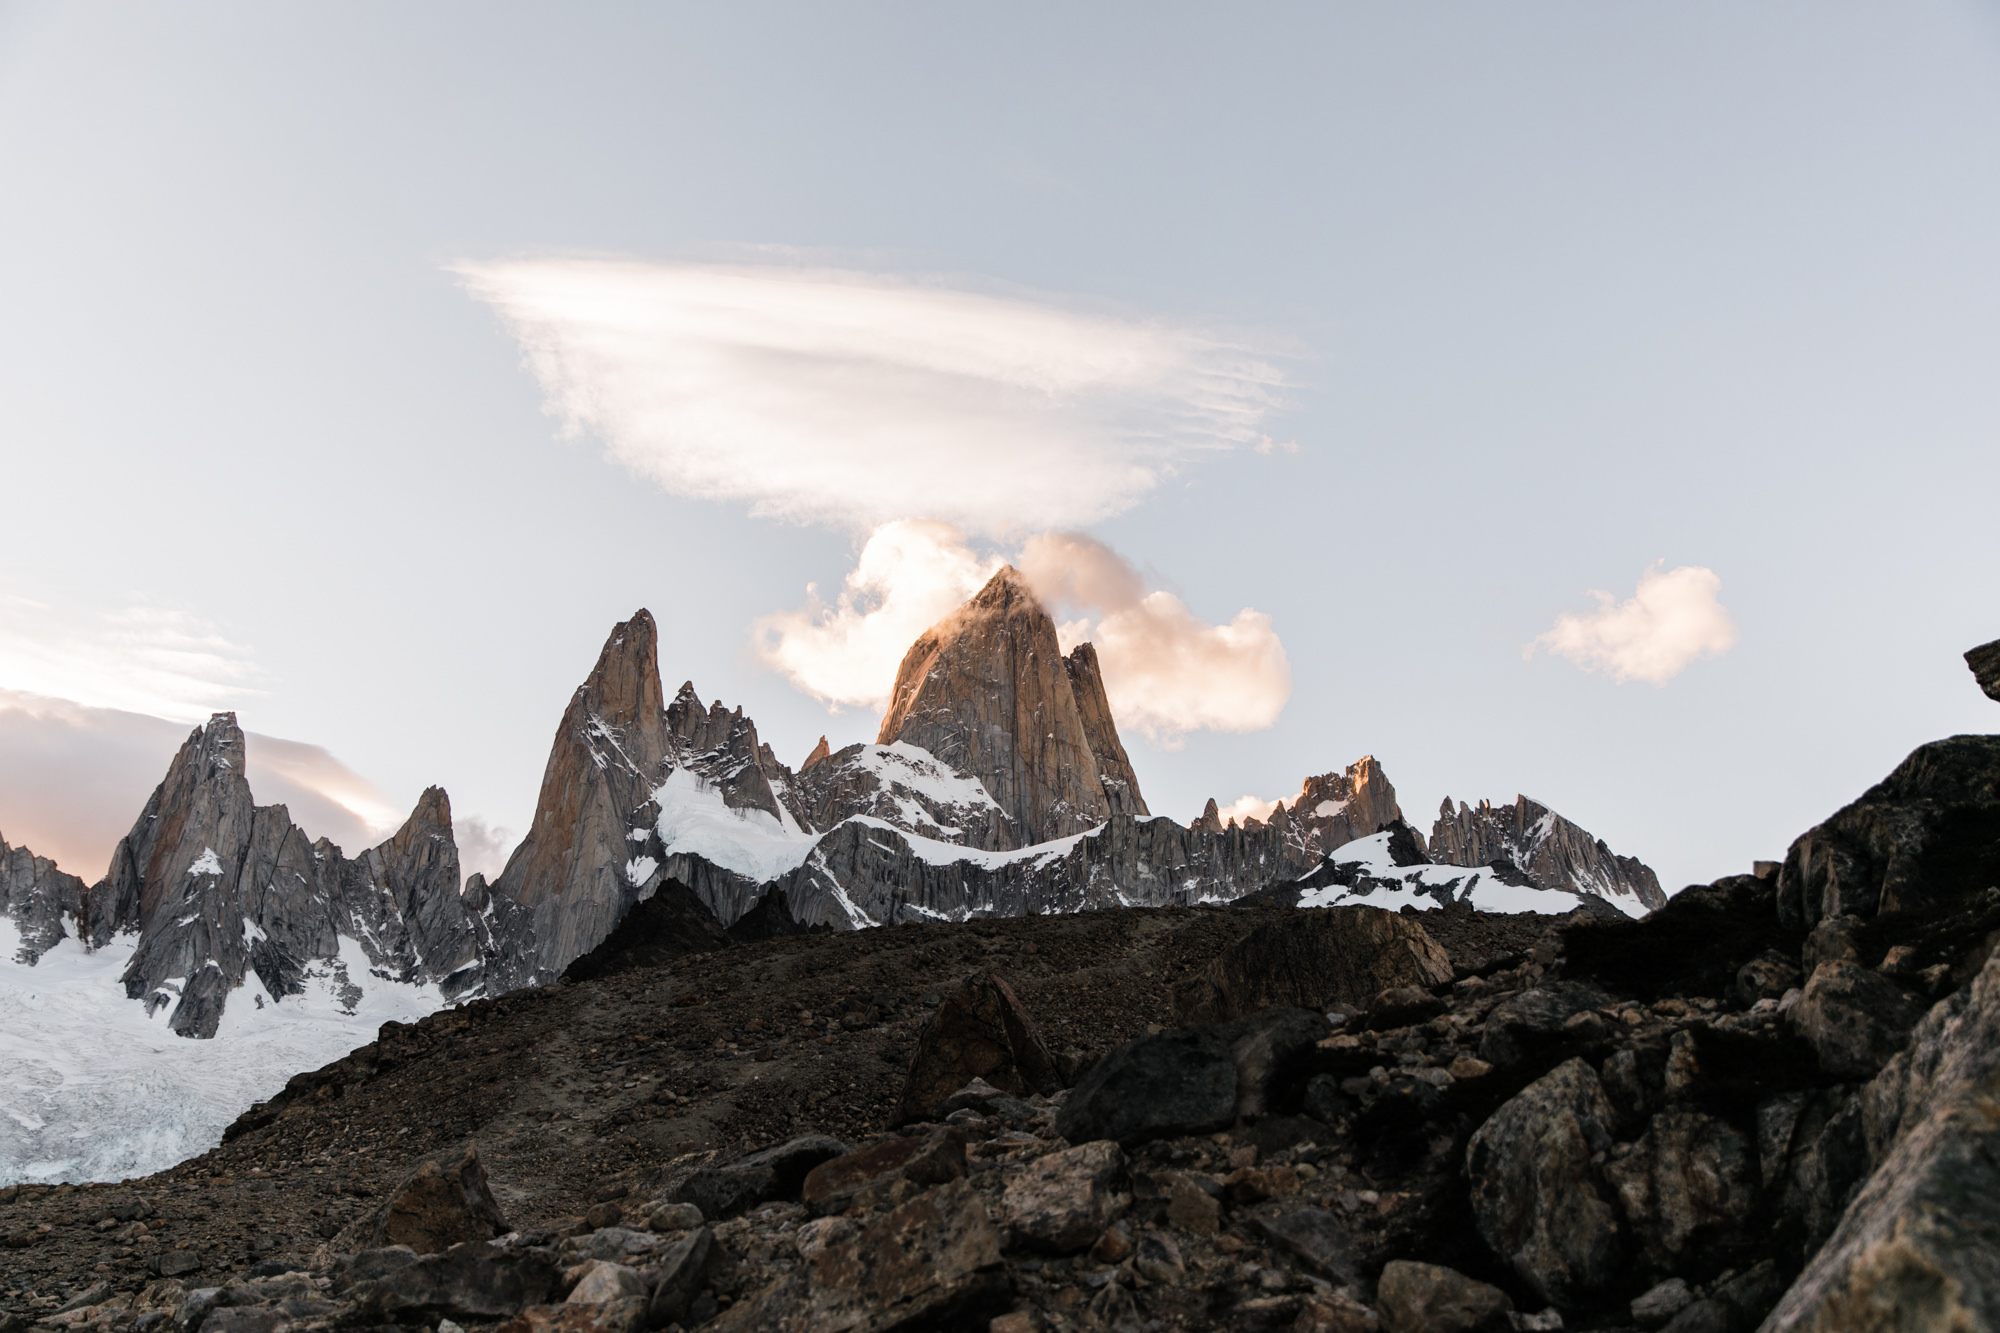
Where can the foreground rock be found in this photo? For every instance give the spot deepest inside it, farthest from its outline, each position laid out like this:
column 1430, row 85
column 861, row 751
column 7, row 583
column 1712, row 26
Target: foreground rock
column 1336, row 958
column 437, row 1208
column 980, row 1031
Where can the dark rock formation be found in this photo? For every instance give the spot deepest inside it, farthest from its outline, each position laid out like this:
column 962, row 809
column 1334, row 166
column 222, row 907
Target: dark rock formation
column 670, row 924
column 979, row 1031
column 770, row 919
column 36, row 896
column 436, row 1208
column 986, row 691
column 1985, row 663
column 1924, row 834
column 218, row 888
column 1337, row 957
column 1552, row 852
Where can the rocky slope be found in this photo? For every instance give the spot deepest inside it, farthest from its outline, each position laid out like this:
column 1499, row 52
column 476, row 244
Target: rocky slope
column 1549, row 850
column 1739, row 1112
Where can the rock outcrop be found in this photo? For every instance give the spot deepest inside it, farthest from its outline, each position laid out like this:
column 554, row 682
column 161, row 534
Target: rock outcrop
column 219, row 888
column 986, row 690
column 1985, row 663
column 35, row 895
column 1550, row 851
column 574, row 872
column 1114, row 769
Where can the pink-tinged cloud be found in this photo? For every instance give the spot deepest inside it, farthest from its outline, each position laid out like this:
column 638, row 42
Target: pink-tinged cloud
column 1675, row 617
column 856, row 399
column 1167, row 672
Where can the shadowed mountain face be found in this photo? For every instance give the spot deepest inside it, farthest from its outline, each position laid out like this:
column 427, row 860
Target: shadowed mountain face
column 1549, row 850
column 218, row 888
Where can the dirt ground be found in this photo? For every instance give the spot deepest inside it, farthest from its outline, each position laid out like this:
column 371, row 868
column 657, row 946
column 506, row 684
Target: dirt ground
column 572, row 1089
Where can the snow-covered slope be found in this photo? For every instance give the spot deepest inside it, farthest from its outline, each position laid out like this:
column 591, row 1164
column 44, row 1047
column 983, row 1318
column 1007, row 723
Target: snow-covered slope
column 95, row 1089
column 1364, row 872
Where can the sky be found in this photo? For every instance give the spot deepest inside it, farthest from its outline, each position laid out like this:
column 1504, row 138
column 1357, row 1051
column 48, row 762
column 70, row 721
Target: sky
column 1594, row 402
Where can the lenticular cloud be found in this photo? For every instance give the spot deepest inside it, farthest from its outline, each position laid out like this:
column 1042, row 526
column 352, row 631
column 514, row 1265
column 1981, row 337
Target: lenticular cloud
column 1675, row 617
column 853, row 399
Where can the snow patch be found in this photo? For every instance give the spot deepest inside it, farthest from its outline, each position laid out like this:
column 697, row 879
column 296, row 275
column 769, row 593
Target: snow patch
column 206, row 864
column 98, row 1089
column 1418, row 886
column 694, row 820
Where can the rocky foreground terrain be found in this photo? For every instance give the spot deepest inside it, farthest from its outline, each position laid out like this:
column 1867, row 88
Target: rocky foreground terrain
column 1768, row 1105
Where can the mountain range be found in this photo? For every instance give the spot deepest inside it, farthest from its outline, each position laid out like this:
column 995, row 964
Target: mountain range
column 996, row 786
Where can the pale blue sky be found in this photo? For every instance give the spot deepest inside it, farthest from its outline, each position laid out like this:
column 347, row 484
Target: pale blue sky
column 1573, row 288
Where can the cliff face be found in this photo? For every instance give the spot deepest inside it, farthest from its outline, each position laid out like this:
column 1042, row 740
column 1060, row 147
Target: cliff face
column 1549, row 850
column 571, row 873
column 1114, row 769
column 218, row 888
column 987, row 692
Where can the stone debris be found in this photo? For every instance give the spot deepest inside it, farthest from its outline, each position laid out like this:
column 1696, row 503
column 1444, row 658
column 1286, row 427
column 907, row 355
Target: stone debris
column 1608, row 1126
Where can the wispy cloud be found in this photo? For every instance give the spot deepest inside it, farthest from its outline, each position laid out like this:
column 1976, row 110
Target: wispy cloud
column 832, row 396
column 1246, row 808
column 1674, row 617
column 140, row 658
column 1167, row 671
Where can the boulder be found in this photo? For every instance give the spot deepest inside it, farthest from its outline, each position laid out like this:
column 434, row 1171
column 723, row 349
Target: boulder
column 469, row 1282
column 1312, row 1234
column 1689, row 1182
column 1915, row 1248
column 1177, row 1082
column 1063, row 1201
column 1535, row 1199
column 1429, row 1298
column 932, row 1262
column 678, row 1277
column 980, row 1031
column 1657, row 1306
column 435, row 1209
column 1926, row 834
column 1855, row 1019
column 604, row 1281
column 1766, row 977
column 885, row 1172
column 1837, row 938
column 1985, row 663
column 1402, row 1006
column 1336, row 956
column 1267, row 1048
column 771, row 1173
column 1533, row 1021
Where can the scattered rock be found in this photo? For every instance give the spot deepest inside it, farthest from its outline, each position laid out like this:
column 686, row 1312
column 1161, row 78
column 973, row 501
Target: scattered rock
column 1691, row 1179
column 1534, row 1196
column 1317, row 960
column 1064, row 1201
column 604, row 1281
column 772, row 1173
column 1177, row 1082
column 1533, row 1021
column 1766, row 977
column 1855, row 1019
column 469, row 1282
column 980, row 1031
column 436, row 1209
column 1428, row 1298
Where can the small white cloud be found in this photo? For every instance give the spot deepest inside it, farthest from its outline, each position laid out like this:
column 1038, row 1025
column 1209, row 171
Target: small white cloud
column 910, row 575
column 1267, row 445
column 1675, row 617
column 855, row 399
column 482, row 847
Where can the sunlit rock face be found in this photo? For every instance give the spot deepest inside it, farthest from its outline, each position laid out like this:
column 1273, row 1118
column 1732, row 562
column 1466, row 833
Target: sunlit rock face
column 986, row 690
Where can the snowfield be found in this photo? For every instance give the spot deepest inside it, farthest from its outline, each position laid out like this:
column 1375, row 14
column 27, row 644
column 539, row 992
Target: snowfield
column 96, row 1090
column 1418, row 886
